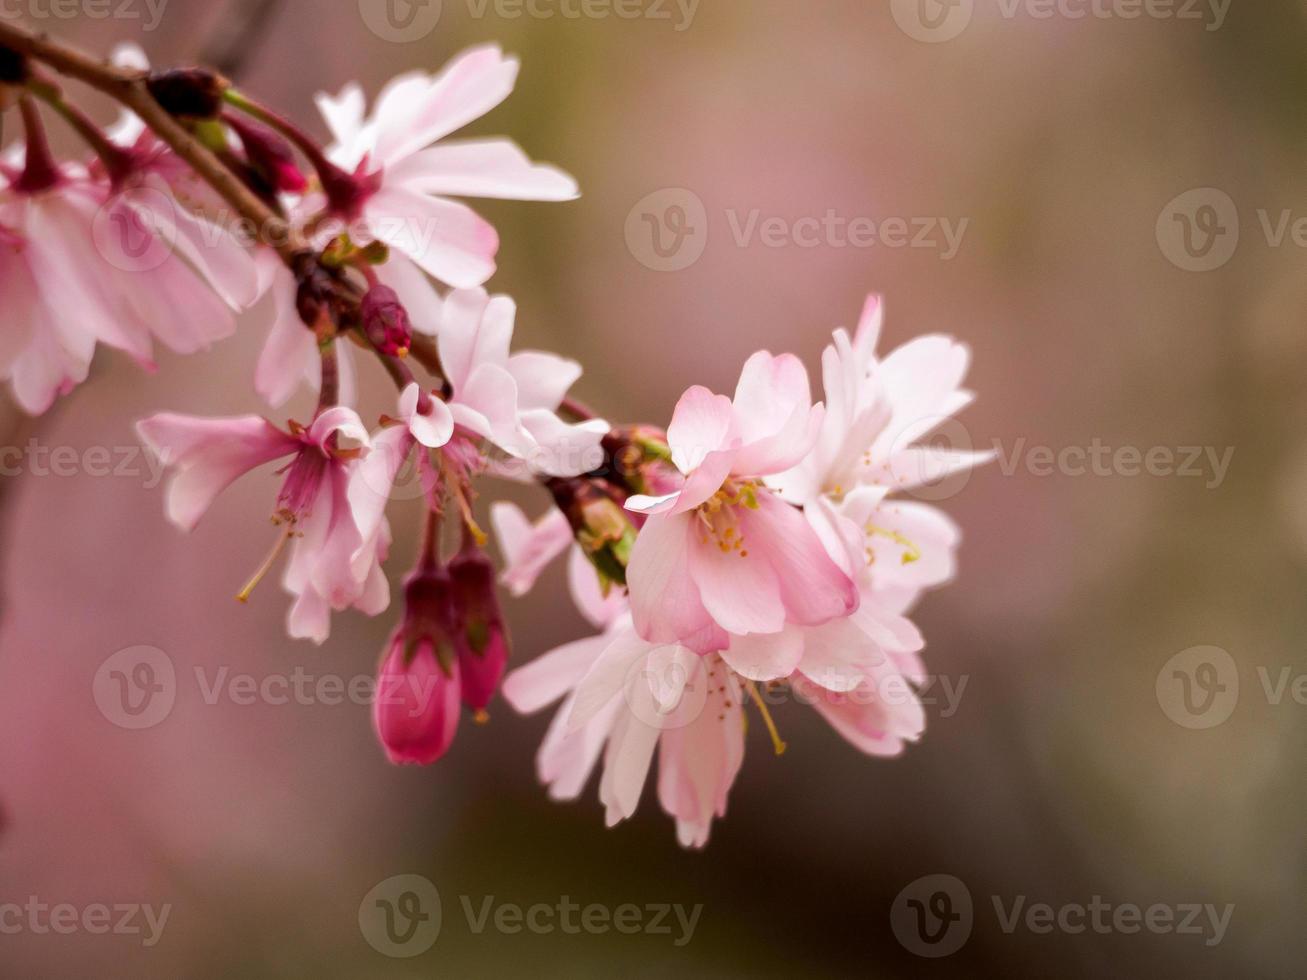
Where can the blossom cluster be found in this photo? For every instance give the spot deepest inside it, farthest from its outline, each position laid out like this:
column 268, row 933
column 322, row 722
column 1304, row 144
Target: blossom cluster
column 760, row 543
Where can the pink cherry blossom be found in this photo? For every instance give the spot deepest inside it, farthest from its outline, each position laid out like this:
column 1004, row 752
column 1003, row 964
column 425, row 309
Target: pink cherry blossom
column 511, row 399
column 399, row 176
column 625, row 698
column 332, row 564
column 877, row 412
column 723, row 554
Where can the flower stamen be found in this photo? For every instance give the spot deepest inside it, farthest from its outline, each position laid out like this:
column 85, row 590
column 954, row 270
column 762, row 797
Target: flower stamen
column 776, row 740
column 282, row 538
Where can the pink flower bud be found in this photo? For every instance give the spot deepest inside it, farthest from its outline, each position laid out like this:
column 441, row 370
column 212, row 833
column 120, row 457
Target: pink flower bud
column 270, row 155
column 385, row 321
column 416, row 709
column 481, row 639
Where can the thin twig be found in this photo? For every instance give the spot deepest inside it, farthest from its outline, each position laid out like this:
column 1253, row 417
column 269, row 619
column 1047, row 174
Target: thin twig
column 129, row 88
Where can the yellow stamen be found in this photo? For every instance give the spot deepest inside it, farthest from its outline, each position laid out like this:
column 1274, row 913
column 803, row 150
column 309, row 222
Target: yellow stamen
column 482, row 717
column 266, row 567
column 779, row 745
column 911, row 552
column 464, row 506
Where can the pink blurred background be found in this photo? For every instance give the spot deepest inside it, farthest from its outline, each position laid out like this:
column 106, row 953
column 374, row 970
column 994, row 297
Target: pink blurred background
column 1060, row 776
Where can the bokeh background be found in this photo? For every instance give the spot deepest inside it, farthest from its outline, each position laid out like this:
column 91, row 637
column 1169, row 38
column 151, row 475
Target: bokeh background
column 1062, row 774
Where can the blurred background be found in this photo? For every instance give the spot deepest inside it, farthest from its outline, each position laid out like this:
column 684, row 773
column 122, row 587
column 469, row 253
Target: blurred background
column 1121, row 188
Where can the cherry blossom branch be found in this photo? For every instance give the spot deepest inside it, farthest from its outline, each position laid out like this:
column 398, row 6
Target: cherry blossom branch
column 129, row 88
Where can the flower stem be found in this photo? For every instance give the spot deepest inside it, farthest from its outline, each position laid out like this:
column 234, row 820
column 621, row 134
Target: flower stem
column 117, row 161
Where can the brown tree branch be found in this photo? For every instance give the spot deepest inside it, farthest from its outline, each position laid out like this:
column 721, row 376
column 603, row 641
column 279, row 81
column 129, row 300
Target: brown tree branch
column 129, row 88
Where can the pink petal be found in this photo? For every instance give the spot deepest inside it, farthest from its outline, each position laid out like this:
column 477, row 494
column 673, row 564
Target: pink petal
column 474, row 330
column 448, row 240
column 626, row 766
column 608, row 675
column 469, row 87
column 494, row 168
column 770, row 391
column 583, row 582
column 549, row 677
column 703, row 423
column 374, row 478
column 528, row 548
column 867, row 337
column 543, row 380
column 209, row 455
column 290, row 356
column 665, row 603
column 740, row 592
column 765, row 657
column 813, row 588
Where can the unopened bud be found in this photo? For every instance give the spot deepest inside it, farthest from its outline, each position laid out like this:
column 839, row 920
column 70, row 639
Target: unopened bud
column 602, row 526
column 481, row 637
column 416, row 711
column 14, row 67
column 385, row 321
column 270, row 154
column 641, row 459
column 193, row 93
column 316, row 297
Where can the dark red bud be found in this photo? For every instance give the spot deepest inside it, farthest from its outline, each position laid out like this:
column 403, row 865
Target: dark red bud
column 270, row 154
column 385, row 321
column 481, row 638
column 429, row 612
column 317, row 292
column 14, row 67
column 193, row 93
